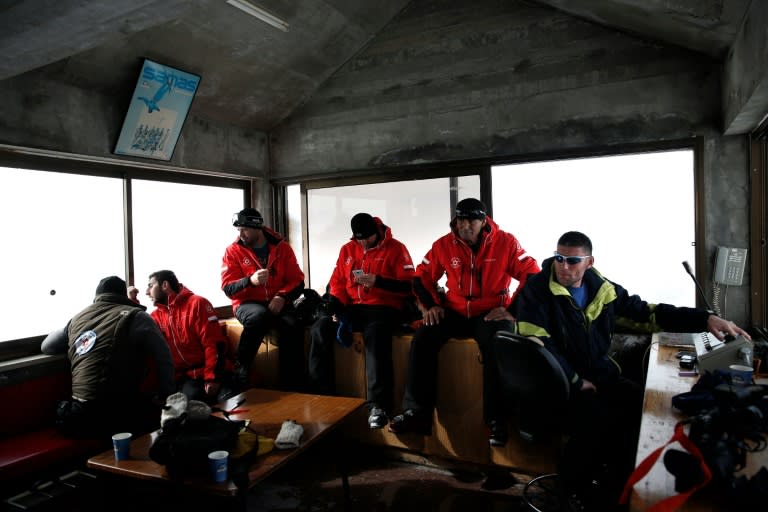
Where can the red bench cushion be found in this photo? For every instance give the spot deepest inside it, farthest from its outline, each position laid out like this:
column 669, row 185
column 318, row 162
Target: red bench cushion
column 26, row 453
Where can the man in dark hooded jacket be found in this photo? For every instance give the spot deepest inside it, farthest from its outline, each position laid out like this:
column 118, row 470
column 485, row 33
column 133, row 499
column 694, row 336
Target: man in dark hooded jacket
column 109, row 344
column 574, row 310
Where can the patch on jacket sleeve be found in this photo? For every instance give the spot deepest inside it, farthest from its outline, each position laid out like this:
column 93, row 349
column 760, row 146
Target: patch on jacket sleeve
column 85, row 342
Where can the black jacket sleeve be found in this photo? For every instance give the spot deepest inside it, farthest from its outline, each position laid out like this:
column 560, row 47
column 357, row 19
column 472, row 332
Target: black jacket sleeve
column 425, row 298
column 393, row 285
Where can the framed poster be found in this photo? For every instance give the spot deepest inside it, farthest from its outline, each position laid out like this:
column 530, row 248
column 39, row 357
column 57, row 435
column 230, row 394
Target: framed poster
column 158, row 108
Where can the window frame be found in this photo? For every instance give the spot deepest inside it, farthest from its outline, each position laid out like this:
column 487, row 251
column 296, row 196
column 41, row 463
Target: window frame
column 126, row 171
column 758, row 167
column 482, row 167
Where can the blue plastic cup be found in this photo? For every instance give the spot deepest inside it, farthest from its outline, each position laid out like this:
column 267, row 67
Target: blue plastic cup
column 122, row 444
column 741, row 374
column 218, row 462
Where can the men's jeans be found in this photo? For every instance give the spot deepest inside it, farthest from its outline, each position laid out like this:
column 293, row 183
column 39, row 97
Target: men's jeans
column 257, row 321
column 377, row 323
column 421, row 387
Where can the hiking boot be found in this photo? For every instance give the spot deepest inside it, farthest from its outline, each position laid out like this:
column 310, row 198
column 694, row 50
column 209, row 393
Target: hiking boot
column 378, row 418
column 499, row 433
column 411, row 421
column 242, row 378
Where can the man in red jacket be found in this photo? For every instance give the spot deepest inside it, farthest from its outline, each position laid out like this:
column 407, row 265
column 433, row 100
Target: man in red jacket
column 479, row 260
column 368, row 287
column 262, row 277
column 191, row 329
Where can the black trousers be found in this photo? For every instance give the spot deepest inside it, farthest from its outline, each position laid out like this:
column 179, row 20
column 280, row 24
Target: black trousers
column 377, row 323
column 135, row 413
column 421, row 387
column 194, row 389
column 603, row 429
column 257, row 321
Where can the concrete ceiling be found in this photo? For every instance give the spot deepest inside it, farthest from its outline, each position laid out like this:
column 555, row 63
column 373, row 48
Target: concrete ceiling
column 254, row 75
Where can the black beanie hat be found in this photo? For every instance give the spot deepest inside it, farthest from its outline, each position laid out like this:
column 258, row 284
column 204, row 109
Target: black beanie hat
column 248, row 218
column 363, row 226
column 112, row 284
column 470, row 208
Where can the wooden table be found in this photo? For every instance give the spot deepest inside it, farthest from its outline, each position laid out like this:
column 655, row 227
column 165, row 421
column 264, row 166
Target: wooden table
column 657, row 426
column 266, row 409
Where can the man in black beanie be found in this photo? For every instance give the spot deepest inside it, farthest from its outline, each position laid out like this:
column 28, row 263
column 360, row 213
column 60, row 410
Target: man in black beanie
column 261, row 275
column 480, row 261
column 368, row 288
column 109, row 344
column 111, row 284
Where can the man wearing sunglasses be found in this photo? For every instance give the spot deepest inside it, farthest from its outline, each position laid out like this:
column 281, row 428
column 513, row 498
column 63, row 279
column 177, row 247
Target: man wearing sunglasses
column 574, row 311
column 262, row 277
column 480, row 261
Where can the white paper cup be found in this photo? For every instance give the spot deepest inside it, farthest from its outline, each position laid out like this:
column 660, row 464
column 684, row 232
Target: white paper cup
column 122, row 445
column 218, row 462
column 740, row 373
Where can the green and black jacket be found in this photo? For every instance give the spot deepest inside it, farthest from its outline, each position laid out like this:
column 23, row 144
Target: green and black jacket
column 580, row 338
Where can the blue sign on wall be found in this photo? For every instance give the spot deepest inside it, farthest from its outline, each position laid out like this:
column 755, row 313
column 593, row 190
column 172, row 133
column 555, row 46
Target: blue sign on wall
column 157, row 112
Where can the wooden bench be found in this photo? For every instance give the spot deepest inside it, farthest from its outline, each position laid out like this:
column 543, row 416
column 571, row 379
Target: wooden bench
column 264, row 372
column 459, row 430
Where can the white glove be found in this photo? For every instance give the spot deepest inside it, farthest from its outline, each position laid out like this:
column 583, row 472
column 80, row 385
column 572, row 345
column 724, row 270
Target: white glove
column 175, row 406
column 197, row 410
column 289, row 435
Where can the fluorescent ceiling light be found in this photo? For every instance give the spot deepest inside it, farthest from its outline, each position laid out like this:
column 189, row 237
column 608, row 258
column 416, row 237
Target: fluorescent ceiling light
column 259, row 13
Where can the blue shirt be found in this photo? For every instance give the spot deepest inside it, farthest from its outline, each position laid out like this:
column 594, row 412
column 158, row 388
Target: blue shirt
column 579, row 295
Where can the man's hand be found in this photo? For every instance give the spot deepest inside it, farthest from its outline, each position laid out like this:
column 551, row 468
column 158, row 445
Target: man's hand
column 497, row 314
column 212, row 389
column 367, row 280
column 721, row 328
column 133, row 294
column 433, row 315
column 260, row 277
column 587, row 385
column 276, row 305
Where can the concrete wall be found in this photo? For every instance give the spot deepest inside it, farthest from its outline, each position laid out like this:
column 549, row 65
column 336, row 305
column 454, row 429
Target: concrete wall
column 493, row 79
column 445, row 81
column 41, row 112
column 449, row 81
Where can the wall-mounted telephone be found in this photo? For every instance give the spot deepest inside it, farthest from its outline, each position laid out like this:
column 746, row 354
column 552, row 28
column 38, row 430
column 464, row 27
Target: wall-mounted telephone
column 729, row 266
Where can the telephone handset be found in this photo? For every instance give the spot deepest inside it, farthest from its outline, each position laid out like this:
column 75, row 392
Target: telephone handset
column 729, row 266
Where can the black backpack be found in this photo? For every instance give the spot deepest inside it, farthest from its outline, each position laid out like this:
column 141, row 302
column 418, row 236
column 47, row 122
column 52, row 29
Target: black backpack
column 183, row 444
column 309, row 307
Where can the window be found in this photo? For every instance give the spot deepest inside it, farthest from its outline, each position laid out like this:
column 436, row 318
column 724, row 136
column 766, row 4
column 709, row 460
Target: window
column 418, row 212
column 64, row 231
column 184, row 228
column 293, row 211
column 637, row 209
column 61, row 234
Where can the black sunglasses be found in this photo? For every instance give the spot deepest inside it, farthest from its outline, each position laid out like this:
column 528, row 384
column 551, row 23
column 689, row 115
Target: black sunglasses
column 571, row 260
